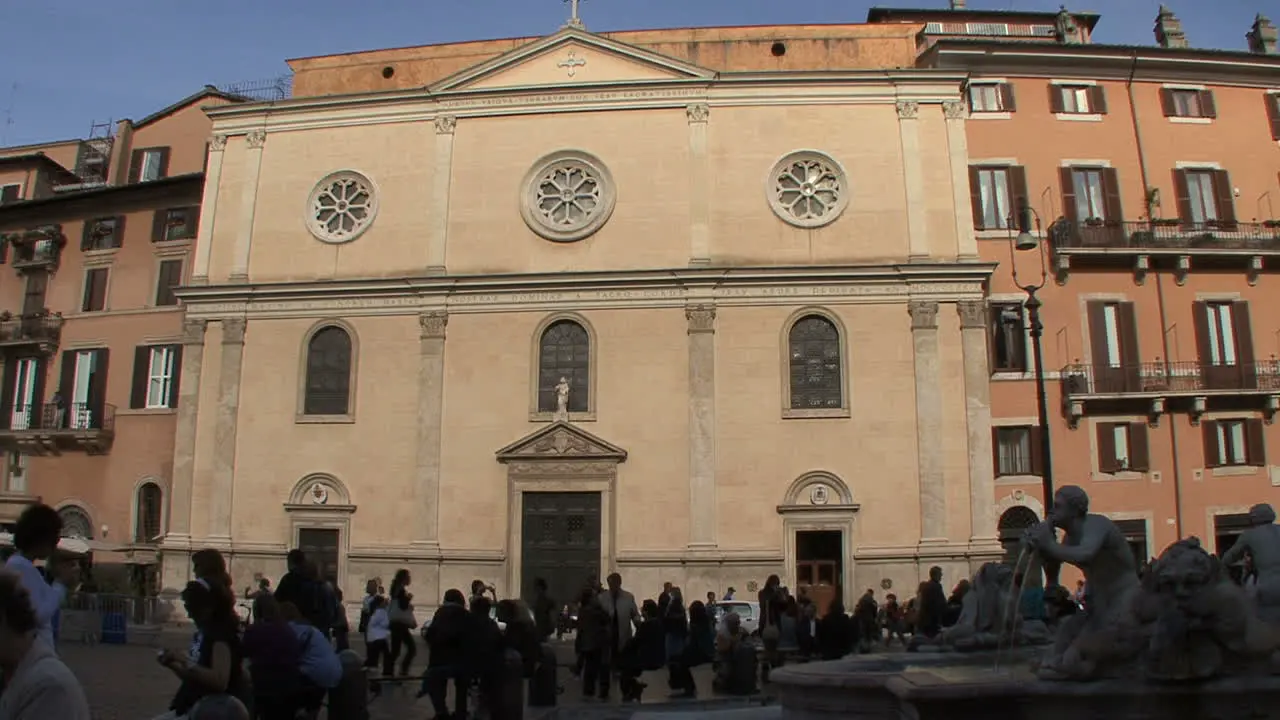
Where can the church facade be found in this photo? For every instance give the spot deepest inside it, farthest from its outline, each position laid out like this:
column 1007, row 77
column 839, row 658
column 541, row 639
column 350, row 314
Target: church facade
column 583, row 306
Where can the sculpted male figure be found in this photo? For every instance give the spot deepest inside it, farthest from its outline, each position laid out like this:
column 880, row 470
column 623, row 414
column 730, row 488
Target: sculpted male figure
column 1262, row 543
column 1094, row 544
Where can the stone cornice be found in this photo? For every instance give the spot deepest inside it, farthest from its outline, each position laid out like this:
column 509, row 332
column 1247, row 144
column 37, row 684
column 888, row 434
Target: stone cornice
column 722, row 287
column 781, row 88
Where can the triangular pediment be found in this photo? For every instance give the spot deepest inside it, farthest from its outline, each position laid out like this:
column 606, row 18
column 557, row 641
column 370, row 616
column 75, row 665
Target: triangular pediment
column 572, row 57
column 561, row 441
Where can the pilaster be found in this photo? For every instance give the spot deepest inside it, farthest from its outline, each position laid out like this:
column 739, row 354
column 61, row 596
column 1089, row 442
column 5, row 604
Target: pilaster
column 913, row 179
column 224, row 433
column 430, row 419
column 958, row 154
column 977, row 404
column 208, row 208
column 178, row 533
column 255, row 140
column 437, row 238
column 702, row 426
column 933, row 489
column 699, row 185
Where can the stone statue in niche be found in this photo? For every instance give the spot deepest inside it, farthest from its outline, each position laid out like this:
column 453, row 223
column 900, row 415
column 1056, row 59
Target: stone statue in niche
column 562, row 401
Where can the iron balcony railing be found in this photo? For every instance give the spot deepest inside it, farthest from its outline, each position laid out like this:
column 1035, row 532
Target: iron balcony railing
column 41, row 327
column 58, row 417
column 1170, row 378
column 1166, row 235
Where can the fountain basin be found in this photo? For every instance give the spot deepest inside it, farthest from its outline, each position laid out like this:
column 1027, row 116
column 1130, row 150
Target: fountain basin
column 948, row 687
column 858, row 686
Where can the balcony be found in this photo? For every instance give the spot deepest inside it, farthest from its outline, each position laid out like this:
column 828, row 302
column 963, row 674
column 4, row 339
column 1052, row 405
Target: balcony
column 38, row 249
column 52, row 429
column 1190, row 385
column 1173, row 244
column 42, row 330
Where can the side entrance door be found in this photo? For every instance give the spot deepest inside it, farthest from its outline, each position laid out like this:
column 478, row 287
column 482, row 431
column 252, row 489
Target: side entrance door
column 560, row 543
column 320, row 545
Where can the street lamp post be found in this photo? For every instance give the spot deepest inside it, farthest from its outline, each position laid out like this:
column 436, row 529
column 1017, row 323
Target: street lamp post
column 1029, row 227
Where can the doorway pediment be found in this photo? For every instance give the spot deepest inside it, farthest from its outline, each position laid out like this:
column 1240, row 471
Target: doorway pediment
column 561, row 442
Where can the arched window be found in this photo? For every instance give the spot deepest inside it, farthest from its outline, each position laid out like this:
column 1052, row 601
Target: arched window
column 328, row 384
column 75, row 523
column 146, row 527
column 564, row 352
column 816, row 381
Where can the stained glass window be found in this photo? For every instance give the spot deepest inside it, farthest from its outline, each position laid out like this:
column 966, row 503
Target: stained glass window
column 564, row 352
column 328, row 388
column 814, row 346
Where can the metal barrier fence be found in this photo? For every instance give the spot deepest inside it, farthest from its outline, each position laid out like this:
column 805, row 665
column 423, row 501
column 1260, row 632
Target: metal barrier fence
column 108, row 618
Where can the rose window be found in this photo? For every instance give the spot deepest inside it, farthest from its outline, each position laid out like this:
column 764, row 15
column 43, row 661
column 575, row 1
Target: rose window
column 808, row 189
column 341, row 207
column 567, row 196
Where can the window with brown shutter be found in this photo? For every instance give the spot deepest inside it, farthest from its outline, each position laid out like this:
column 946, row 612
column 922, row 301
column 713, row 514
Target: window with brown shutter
column 1007, row 329
column 169, row 277
column 1255, row 442
column 1122, row 447
column 1206, row 200
column 1017, row 450
column 1098, row 99
column 95, row 290
column 1072, row 99
column 174, row 224
column 1187, row 103
column 1224, row 200
column 147, row 164
column 104, row 233
column 1233, row 443
column 1272, row 103
column 1107, row 461
column 10, row 193
column 995, row 194
column 989, row 97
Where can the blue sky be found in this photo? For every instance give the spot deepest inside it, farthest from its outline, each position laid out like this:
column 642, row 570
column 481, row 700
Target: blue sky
column 74, row 62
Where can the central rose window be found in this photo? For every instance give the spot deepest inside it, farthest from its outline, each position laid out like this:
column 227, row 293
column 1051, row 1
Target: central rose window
column 808, row 189
column 567, row 196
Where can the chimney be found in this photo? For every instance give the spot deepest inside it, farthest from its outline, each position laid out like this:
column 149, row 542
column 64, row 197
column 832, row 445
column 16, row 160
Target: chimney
column 957, row 4
column 1263, row 36
column 1169, row 30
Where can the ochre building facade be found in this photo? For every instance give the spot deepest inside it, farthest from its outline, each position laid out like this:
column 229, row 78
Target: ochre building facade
column 586, row 304
column 95, row 236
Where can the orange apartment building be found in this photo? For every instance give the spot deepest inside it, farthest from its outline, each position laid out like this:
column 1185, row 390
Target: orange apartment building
column 95, row 236
column 1153, row 179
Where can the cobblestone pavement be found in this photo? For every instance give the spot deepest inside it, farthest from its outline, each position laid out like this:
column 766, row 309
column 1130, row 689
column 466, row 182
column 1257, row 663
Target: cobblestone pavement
column 124, row 682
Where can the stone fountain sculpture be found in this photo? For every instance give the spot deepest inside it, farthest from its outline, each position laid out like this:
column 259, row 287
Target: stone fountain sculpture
column 1183, row 642
column 989, row 619
column 1186, row 620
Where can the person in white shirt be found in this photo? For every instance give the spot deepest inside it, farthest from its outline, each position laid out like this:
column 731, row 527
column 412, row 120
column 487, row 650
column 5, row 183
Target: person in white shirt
column 38, row 685
column 378, row 632
column 35, row 537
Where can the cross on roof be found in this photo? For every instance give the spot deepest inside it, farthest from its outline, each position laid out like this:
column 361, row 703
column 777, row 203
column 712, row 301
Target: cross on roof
column 575, row 19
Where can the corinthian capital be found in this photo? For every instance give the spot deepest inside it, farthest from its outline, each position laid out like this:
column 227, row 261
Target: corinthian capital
column 433, row 324
column 924, row 314
column 702, row 318
column 256, row 138
column 233, row 331
column 193, row 331
column 908, row 110
column 973, row 313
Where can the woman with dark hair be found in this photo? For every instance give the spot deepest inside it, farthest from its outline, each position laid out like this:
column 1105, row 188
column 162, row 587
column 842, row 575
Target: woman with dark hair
column 35, row 537
column 38, row 686
column 213, row 667
column 402, row 624
column 274, row 655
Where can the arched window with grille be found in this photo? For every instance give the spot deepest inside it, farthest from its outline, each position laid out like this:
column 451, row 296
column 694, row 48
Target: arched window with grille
column 146, row 523
column 564, row 351
column 329, row 362
column 816, row 382
column 76, row 523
